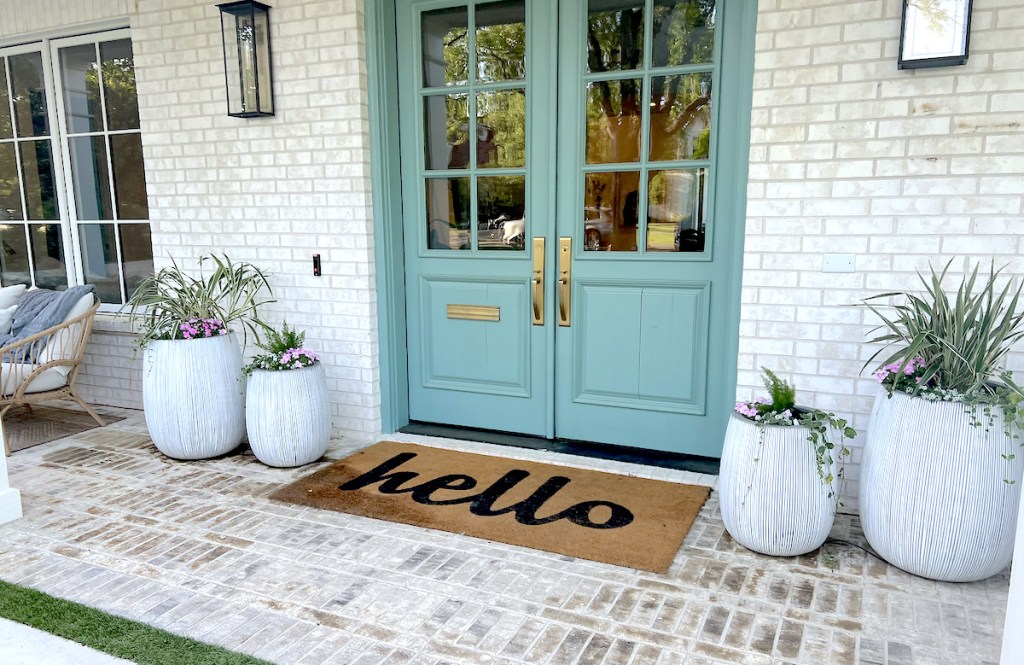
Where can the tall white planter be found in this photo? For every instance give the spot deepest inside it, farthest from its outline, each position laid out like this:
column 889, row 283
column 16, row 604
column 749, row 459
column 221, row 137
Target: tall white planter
column 193, row 393
column 934, row 496
column 288, row 415
column 772, row 499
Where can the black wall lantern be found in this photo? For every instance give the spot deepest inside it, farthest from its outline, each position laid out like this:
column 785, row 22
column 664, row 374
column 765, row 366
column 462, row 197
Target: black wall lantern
column 935, row 33
column 245, row 27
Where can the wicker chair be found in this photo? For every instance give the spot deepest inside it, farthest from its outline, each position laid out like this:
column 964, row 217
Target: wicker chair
column 45, row 366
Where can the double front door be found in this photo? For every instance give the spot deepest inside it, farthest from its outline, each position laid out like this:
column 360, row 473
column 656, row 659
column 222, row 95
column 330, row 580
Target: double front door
column 573, row 179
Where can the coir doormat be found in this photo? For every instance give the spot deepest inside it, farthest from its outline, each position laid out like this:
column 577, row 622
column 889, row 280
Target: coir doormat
column 627, row 521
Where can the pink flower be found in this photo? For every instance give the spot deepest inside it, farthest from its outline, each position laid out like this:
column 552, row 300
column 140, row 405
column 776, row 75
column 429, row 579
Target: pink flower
column 746, row 409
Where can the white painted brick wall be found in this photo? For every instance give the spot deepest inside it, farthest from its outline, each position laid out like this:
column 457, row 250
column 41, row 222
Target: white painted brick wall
column 851, row 155
column 272, row 191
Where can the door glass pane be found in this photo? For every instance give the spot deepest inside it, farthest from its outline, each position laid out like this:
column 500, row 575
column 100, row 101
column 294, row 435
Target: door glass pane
column 48, row 256
column 675, row 211
column 501, row 41
column 10, row 184
column 13, row 255
column 610, row 211
column 129, row 176
column 29, row 95
column 446, row 124
column 615, row 35
column 684, row 32
column 137, row 249
column 501, row 128
column 501, row 206
column 80, row 78
column 40, row 193
column 6, row 130
column 89, row 175
column 445, row 47
column 119, row 85
column 613, row 121
column 448, row 213
column 99, row 260
column 680, row 116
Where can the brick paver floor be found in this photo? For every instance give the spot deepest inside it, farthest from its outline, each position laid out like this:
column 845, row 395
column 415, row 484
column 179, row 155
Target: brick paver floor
column 196, row 548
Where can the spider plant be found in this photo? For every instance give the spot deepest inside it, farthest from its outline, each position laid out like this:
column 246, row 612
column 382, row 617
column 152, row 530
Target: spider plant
column 962, row 339
column 230, row 293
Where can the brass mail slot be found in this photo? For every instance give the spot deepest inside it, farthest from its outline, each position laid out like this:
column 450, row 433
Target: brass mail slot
column 474, row 312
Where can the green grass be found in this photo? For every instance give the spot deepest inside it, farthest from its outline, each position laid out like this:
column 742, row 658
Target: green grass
column 108, row 633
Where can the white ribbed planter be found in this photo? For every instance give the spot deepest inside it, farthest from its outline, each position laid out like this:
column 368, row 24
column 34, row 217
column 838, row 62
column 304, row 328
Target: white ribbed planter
column 772, row 499
column 193, row 393
column 288, row 415
column 933, row 496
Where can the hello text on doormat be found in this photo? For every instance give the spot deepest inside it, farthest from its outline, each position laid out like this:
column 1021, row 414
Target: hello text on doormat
column 634, row 522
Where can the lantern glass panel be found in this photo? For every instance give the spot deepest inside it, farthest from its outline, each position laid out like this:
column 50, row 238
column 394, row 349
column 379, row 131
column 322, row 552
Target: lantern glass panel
column 246, row 34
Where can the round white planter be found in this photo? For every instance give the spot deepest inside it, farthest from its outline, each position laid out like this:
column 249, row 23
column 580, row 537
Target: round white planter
column 772, row 499
column 934, row 499
column 288, row 415
column 193, row 394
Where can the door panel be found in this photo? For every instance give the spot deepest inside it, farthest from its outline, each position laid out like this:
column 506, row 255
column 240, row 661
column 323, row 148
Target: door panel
column 642, row 347
column 492, row 353
column 573, row 215
column 645, row 182
column 477, row 186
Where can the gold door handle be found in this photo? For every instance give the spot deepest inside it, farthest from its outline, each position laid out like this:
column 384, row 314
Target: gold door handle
column 537, row 283
column 565, row 281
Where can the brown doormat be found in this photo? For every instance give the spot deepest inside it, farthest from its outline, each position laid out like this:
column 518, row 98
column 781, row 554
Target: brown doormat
column 606, row 517
column 24, row 428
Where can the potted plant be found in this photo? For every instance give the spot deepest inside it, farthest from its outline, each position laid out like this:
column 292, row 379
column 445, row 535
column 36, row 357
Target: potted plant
column 192, row 384
column 778, row 472
column 940, row 481
column 287, row 412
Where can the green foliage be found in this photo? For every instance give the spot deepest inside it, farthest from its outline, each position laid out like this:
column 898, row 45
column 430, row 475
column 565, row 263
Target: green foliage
column 781, row 393
column 779, row 408
column 963, row 340
column 283, row 351
column 110, row 634
column 231, row 292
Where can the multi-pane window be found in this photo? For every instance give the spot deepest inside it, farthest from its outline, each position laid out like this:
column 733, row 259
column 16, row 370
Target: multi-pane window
column 73, row 206
column 103, row 152
column 31, row 237
column 650, row 67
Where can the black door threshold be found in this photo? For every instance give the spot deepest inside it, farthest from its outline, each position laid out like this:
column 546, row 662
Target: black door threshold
column 679, row 461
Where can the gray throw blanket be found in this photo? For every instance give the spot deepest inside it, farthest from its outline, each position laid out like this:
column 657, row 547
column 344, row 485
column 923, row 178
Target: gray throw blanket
column 41, row 309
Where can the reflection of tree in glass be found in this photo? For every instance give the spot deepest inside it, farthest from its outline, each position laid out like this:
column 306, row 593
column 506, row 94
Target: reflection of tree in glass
column 119, row 92
column 939, row 20
column 501, row 52
column 683, row 33
column 456, row 56
column 501, row 128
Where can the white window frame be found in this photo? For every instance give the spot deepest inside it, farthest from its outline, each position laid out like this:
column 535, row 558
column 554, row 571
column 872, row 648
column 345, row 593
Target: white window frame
column 48, row 47
column 56, row 160
column 73, row 219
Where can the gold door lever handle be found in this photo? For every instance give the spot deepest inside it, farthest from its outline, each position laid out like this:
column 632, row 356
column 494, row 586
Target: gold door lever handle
column 537, row 283
column 564, row 281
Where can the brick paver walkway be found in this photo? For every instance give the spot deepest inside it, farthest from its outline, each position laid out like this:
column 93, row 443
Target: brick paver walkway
column 196, row 548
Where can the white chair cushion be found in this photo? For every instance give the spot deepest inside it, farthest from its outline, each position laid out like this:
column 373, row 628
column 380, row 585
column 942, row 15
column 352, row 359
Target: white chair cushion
column 9, row 295
column 6, row 319
column 13, row 374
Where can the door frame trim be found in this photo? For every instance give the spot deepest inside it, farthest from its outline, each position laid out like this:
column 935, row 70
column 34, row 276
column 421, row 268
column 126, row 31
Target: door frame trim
column 386, row 194
column 380, row 30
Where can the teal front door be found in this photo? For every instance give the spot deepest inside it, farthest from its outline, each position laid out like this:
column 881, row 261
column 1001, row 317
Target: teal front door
column 573, row 179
